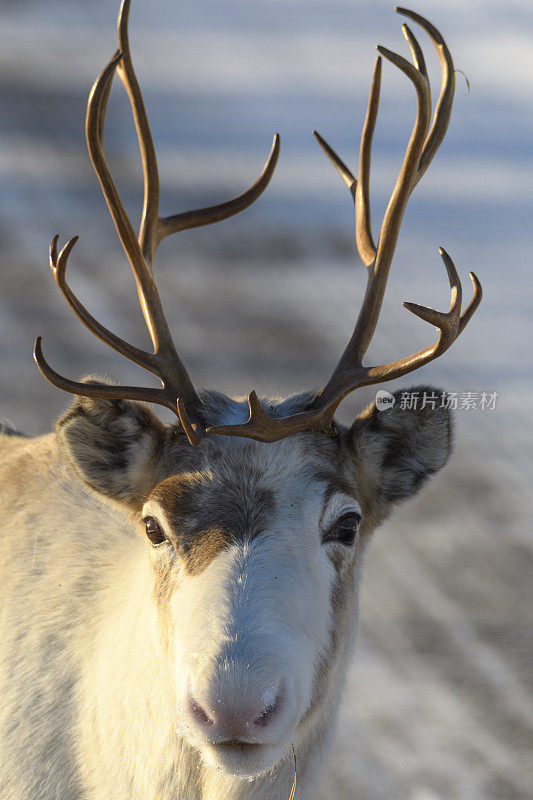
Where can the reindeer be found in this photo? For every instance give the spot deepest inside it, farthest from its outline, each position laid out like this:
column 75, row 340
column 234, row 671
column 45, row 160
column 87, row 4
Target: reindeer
column 183, row 628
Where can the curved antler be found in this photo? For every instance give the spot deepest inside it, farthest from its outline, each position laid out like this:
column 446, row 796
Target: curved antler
column 178, row 392
column 350, row 374
column 153, row 228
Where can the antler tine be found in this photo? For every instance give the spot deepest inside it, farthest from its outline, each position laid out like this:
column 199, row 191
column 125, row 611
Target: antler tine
column 351, row 360
column 446, row 322
column 363, row 230
column 170, row 369
column 450, row 324
column 94, row 389
column 58, row 266
column 150, row 212
column 163, row 397
column 164, row 362
column 474, row 303
column 338, row 163
column 416, row 51
column 205, row 216
column 154, row 228
column 360, row 189
column 264, row 428
column 421, row 150
column 443, row 108
column 94, row 126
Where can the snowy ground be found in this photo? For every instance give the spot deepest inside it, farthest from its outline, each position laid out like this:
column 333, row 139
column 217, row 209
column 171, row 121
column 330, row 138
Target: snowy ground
column 439, row 702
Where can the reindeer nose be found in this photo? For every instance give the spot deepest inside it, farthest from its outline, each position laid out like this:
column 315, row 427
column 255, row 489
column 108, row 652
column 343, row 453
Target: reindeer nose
column 246, row 721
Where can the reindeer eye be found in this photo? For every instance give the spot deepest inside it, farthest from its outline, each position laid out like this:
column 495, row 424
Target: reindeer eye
column 154, row 532
column 344, row 530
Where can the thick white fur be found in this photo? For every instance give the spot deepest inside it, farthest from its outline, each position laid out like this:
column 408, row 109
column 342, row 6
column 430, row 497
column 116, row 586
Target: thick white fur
column 98, row 655
column 258, row 615
column 91, row 705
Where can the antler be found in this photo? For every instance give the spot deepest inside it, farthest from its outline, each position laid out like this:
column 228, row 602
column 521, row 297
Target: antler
column 350, row 374
column 178, row 393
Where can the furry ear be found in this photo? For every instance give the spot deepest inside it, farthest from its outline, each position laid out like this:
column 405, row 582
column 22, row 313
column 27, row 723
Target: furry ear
column 398, row 448
column 113, row 446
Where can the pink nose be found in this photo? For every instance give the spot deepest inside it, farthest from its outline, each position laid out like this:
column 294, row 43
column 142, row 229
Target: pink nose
column 248, row 721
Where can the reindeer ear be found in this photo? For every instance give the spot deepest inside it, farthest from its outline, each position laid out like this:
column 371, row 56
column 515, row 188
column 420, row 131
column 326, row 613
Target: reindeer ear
column 112, row 444
column 398, row 448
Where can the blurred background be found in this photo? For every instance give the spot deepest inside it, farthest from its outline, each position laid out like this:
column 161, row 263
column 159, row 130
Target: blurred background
column 438, row 704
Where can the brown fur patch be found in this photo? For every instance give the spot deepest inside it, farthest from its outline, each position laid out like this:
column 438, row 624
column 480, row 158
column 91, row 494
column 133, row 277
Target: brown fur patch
column 203, row 548
column 207, row 513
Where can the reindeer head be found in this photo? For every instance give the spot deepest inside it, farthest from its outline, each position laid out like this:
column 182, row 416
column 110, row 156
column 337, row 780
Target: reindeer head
column 256, row 513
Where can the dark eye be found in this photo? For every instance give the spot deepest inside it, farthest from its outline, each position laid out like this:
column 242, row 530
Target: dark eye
column 154, row 532
column 344, row 530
